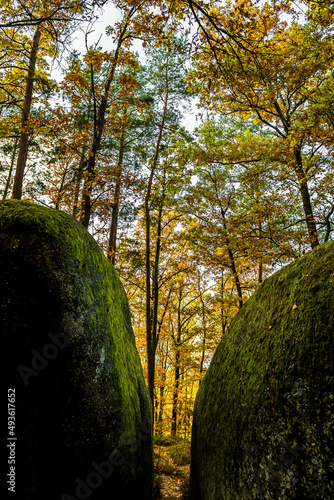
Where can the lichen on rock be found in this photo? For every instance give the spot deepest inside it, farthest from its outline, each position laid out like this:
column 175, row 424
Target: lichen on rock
column 264, row 414
column 81, row 399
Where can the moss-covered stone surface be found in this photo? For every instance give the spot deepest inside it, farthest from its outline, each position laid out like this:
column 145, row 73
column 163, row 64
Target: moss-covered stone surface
column 264, row 414
column 83, row 422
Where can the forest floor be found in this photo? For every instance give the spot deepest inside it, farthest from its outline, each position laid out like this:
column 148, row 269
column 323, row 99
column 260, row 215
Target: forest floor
column 171, row 467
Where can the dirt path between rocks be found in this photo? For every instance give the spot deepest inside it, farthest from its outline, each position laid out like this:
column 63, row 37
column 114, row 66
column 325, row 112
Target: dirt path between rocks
column 171, row 479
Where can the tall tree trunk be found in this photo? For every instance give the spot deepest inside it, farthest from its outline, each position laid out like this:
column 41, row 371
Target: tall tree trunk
column 233, row 265
column 162, row 390
column 78, row 178
column 150, row 348
column 177, row 367
column 161, row 404
column 235, row 274
column 164, row 361
column 176, row 391
column 9, row 178
column 99, row 122
column 60, row 190
column 204, row 328
column 155, row 280
column 202, row 355
column 328, row 224
column 306, row 199
column 155, row 291
column 204, row 337
column 260, row 263
column 223, row 316
column 24, row 135
column 111, row 253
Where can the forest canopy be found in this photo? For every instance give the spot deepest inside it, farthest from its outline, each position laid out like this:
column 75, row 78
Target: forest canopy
column 195, row 217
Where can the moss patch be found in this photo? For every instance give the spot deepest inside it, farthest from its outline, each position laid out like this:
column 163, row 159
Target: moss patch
column 264, row 414
column 91, row 399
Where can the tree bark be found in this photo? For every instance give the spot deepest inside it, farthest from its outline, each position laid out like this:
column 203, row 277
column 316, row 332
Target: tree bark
column 99, row 121
column 155, row 281
column 60, row 190
column 259, row 228
column 164, row 360
column 232, row 265
column 260, row 271
column 78, row 177
column 150, row 348
column 235, row 275
column 201, row 368
column 306, row 199
column 111, row 253
column 24, row 135
column 176, row 391
column 328, row 224
column 223, row 316
column 177, row 368
column 162, row 388
column 9, row 178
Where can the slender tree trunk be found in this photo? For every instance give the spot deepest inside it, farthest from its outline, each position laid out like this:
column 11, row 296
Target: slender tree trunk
column 260, row 265
column 99, row 122
column 204, row 338
column 164, row 361
column 204, row 328
column 86, row 206
column 259, row 227
column 78, row 177
column 60, row 190
column 177, row 368
column 155, row 291
column 233, row 265
column 12, row 162
column 307, row 205
column 222, row 293
column 161, row 403
column 176, row 391
column 150, row 348
column 156, row 410
column 260, row 272
column 24, row 135
column 155, row 280
column 162, row 388
column 235, row 274
column 111, row 253
column 154, row 307
column 328, row 224
column 202, row 355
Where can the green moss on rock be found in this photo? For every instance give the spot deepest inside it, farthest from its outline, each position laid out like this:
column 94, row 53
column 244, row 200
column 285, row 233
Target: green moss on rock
column 264, row 414
column 90, row 399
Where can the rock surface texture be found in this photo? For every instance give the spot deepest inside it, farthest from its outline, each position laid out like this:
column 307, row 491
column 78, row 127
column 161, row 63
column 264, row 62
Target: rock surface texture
column 82, row 418
column 264, row 414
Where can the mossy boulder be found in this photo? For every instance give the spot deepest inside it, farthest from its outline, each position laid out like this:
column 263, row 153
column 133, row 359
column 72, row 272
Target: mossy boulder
column 264, row 415
column 82, row 409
